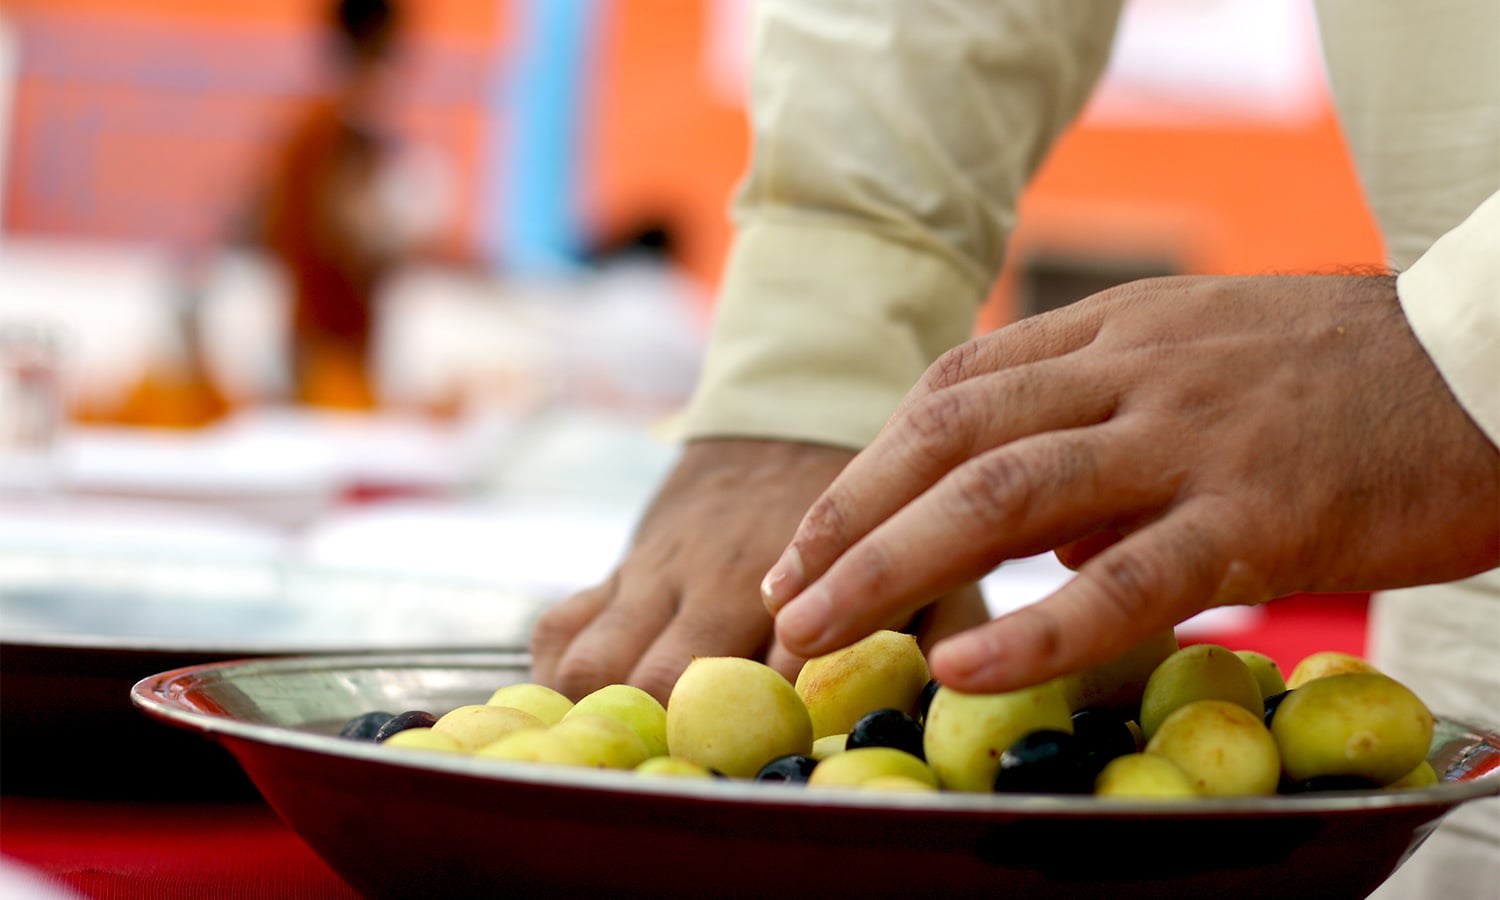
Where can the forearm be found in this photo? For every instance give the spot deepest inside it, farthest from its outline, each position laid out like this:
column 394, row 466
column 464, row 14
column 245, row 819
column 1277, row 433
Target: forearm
column 892, row 140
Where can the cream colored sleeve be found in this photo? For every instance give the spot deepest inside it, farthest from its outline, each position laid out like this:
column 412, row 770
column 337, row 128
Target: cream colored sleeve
column 892, row 139
column 1451, row 297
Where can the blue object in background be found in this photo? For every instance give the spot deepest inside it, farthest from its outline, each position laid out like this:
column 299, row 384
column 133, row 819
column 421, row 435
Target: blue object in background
column 529, row 221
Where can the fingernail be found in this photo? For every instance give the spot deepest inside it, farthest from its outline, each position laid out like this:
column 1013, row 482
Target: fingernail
column 783, row 582
column 961, row 656
column 805, row 619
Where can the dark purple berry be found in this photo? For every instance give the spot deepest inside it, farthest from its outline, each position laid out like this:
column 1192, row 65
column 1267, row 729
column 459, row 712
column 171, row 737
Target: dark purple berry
column 1321, row 783
column 792, row 769
column 924, row 700
column 412, row 718
column 887, row 728
column 1103, row 734
column 1045, row 762
column 364, row 727
column 1272, row 702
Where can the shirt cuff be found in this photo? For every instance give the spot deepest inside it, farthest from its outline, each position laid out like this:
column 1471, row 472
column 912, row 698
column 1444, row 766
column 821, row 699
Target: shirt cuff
column 1451, row 297
column 820, row 330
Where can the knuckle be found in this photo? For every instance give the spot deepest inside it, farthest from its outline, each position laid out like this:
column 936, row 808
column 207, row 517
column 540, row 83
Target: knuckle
column 870, row 567
column 824, row 525
column 1129, row 580
column 994, row 490
column 954, row 366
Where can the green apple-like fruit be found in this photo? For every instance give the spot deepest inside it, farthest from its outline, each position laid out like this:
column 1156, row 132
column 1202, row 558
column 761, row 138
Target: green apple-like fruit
column 642, row 712
column 965, row 734
column 1224, row 748
column 604, row 742
column 539, row 700
column 537, row 745
column 825, row 747
column 884, row 670
column 853, row 768
column 1361, row 723
column 1325, row 663
column 735, row 715
column 1424, row 775
column 1198, row 672
column 1120, row 682
column 476, row 725
column 898, row 784
column 1142, row 776
column 674, row 767
column 1267, row 673
column 423, row 739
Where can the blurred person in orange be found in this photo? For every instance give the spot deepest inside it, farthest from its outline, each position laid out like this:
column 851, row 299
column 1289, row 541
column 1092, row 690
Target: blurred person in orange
column 328, row 214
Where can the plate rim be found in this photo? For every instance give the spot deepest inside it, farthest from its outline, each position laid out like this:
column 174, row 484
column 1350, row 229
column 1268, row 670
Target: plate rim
column 156, row 696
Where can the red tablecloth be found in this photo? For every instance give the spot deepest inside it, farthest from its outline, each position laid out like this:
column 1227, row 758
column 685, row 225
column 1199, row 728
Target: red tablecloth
column 151, row 851
column 147, row 851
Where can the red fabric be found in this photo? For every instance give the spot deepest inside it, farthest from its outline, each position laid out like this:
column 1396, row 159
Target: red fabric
column 1296, row 626
column 150, row 851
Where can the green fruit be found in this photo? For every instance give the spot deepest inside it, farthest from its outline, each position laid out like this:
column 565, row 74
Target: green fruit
column 885, row 670
column 672, row 766
column 476, row 725
column 1267, row 673
column 853, row 768
column 538, row 745
column 1325, row 663
column 642, row 712
column 1120, row 682
column 541, row 701
column 1424, row 775
column 1141, row 776
column 966, row 733
column 1363, row 723
column 825, row 747
column 1198, row 672
column 422, row 739
column 897, row 783
column 604, row 742
column 1223, row 748
column 735, row 715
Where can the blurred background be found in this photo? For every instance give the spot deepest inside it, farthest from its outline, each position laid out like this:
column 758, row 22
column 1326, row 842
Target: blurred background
column 518, row 208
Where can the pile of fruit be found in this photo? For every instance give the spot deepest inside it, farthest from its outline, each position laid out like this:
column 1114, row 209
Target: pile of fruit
column 1160, row 721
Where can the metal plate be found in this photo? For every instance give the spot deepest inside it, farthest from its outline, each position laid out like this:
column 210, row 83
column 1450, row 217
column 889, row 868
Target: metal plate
column 418, row 824
column 78, row 629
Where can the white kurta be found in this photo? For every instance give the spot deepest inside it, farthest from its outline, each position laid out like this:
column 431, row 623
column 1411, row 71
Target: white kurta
column 892, row 139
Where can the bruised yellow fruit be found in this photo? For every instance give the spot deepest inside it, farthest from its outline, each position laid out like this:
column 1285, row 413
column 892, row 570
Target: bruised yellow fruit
column 1267, row 673
column 1120, row 682
column 537, row 745
column 642, row 712
column 965, row 734
column 603, row 742
column 1223, row 748
column 539, row 700
column 853, row 768
column 1362, row 723
column 1198, row 672
column 1325, row 663
column 476, row 725
column 422, row 739
column 1141, row 776
column 885, row 670
column 673, row 767
column 735, row 715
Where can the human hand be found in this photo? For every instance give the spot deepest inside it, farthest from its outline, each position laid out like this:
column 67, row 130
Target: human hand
column 1183, row 443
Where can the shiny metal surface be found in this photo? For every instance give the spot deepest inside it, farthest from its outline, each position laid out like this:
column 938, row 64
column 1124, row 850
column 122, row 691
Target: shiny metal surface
column 395, row 823
column 245, row 607
column 79, row 628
